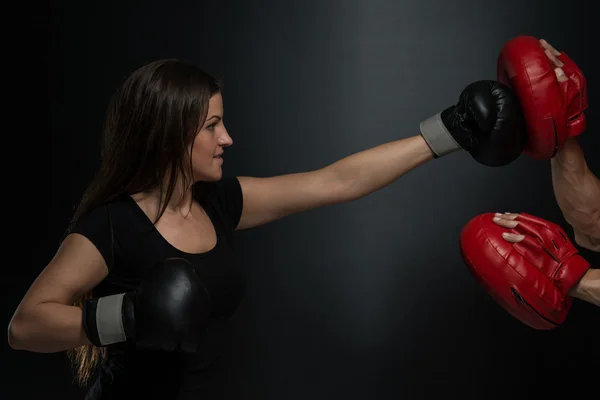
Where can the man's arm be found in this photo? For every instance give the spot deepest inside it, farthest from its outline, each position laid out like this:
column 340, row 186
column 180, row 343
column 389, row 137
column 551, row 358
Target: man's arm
column 588, row 288
column 577, row 191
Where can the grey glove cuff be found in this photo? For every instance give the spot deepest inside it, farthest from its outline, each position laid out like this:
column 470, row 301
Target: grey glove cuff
column 437, row 136
column 103, row 320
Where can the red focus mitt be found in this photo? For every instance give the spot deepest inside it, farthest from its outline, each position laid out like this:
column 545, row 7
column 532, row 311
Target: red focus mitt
column 553, row 110
column 530, row 279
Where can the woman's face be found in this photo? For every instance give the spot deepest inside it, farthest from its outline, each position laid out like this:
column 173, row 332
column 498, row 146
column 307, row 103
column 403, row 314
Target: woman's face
column 210, row 142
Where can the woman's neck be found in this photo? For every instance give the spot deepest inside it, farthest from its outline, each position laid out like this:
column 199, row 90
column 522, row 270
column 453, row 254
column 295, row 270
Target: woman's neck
column 152, row 201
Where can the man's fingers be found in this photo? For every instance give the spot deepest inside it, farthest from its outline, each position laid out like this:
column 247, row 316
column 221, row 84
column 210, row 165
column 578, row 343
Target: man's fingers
column 554, row 59
column 549, row 47
column 560, row 75
column 512, row 237
column 506, row 215
column 505, row 222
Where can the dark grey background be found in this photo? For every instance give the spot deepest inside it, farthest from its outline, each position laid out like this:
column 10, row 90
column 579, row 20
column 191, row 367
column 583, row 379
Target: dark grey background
column 363, row 300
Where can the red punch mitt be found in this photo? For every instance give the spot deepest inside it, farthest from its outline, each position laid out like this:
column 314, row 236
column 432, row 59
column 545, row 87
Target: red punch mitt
column 553, row 110
column 530, row 279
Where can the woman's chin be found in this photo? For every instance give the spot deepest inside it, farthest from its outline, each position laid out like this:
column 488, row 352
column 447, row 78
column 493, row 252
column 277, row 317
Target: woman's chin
column 207, row 176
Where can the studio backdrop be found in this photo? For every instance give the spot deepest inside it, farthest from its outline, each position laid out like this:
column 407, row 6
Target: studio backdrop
column 365, row 300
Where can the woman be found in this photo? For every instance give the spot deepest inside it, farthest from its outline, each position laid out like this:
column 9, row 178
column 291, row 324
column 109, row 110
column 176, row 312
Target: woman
column 159, row 195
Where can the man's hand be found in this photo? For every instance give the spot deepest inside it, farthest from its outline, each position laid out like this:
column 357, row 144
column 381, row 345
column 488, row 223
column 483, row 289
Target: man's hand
column 507, row 220
column 588, row 287
column 553, row 54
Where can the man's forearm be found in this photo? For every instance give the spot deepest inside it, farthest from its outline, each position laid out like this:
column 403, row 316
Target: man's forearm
column 588, row 288
column 370, row 170
column 577, row 190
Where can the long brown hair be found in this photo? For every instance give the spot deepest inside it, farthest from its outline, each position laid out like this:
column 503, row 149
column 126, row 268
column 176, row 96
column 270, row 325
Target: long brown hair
column 151, row 122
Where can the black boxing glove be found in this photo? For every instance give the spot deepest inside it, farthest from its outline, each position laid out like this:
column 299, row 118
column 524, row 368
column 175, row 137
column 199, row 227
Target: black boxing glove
column 169, row 311
column 487, row 122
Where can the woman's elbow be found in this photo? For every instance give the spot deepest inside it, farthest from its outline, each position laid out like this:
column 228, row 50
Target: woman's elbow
column 16, row 333
column 22, row 329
